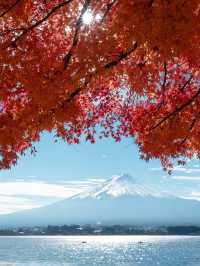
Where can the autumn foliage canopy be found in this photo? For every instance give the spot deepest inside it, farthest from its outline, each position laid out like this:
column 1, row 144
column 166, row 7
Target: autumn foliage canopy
column 118, row 67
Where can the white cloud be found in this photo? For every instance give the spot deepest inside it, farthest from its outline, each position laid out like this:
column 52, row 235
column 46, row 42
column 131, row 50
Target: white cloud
column 20, row 195
column 32, row 176
column 37, row 189
column 194, row 195
column 156, row 169
column 184, row 177
column 186, row 170
column 180, row 169
column 105, row 156
column 10, row 204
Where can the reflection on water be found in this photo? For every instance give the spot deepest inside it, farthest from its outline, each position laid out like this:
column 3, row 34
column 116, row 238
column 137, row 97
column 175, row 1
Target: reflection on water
column 100, row 250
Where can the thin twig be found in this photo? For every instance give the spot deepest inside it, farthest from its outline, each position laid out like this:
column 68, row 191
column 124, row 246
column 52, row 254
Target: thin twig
column 9, row 8
column 122, row 56
column 177, row 110
column 37, row 23
column 79, row 22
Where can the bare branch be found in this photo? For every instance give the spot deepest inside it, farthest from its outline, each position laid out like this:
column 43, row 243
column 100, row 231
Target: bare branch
column 10, row 8
column 186, row 83
column 177, row 110
column 194, row 121
column 163, row 87
column 79, row 22
column 4, row 32
column 68, row 56
column 122, row 56
column 108, row 9
column 37, row 23
column 165, row 76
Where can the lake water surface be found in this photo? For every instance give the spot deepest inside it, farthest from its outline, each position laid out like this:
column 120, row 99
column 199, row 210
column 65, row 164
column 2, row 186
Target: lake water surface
column 100, row 250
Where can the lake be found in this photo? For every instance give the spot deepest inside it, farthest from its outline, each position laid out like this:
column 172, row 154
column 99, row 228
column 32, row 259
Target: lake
column 100, row 250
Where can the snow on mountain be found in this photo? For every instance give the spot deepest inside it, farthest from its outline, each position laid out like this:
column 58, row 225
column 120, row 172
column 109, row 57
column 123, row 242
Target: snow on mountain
column 120, row 185
column 119, row 200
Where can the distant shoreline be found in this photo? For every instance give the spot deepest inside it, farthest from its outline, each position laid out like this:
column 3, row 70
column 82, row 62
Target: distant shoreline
column 101, row 230
column 66, row 236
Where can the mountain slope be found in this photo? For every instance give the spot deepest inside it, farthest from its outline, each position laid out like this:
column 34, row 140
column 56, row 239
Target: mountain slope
column 119, row 200
column 119, row 186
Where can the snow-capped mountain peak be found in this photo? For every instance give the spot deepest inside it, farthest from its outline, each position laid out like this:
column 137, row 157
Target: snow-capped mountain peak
column 120, row 185
column 119, row 200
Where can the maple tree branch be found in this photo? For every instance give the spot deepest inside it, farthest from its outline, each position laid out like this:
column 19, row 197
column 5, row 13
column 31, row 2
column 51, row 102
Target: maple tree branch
column 37, row 23
column 177, row 110
column 9, row 8
column 165, row 76
column 68, row 56
column 186, row 83
column 122, row 56
column 79, row 23
column 11, row 30
column 108, row 9
column 163, row 86
column 194, row 121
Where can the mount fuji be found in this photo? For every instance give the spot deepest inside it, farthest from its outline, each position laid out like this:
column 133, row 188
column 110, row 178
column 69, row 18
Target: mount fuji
column 118, row 200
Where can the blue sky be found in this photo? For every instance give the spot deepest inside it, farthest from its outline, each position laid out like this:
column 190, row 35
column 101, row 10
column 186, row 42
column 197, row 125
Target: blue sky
column 62, row 162
column 59, row 170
